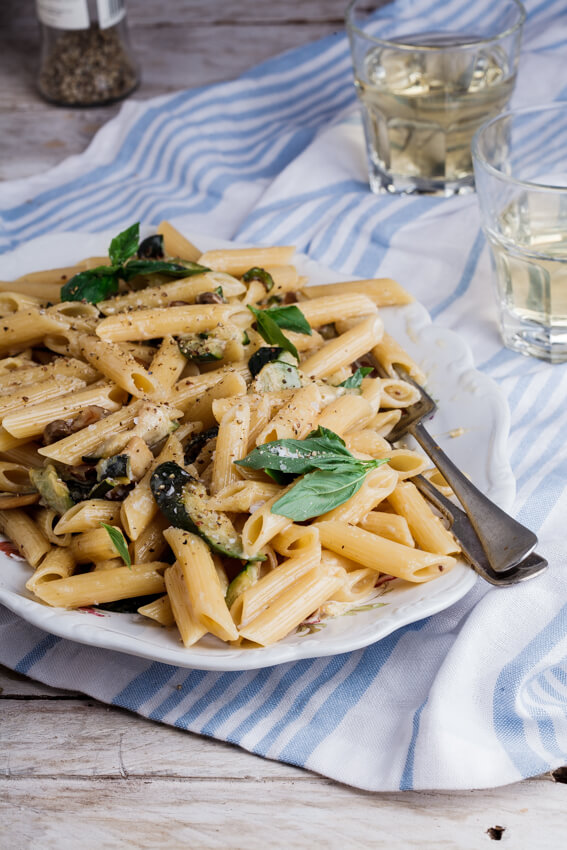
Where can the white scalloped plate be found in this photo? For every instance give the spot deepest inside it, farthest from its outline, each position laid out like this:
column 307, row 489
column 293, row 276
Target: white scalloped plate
column 469, row 404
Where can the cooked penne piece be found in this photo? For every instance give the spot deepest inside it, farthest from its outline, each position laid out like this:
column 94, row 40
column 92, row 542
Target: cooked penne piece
column 346, row 413
column 203, row 584
column 260, row 595
column 168, row 364
column 324, row 311
column 34, row 373
column 93, row 545
column 231, row 385
column 31, row 420
column 58, row 563
column 238, row 261
column 427, row 529
column 160, row 609
column 390, row 355
column 383, row 291
column 289, row 610
column 296, row 418
column 389, row 525
column 25, row 535
column 383, row 555
column 261, row 526
column 119, row 366
column 377, row 485
column 36, row 393
column 157, row 321
column 295, row 539
column 88, row 514
column 175, row 244
column 344, row 349
column 13, row 302
column 190, row 628
column 15, row 478
column 27, row 327
column 78, row 591
column 231, row 445
column 139, row 507
column 243, row 496
column 187, row 289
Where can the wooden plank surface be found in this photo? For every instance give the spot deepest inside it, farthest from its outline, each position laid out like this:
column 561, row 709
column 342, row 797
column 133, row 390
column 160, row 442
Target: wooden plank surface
column 75, row 773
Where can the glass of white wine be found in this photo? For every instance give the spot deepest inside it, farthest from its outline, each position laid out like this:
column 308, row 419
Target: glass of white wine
column 425, row 89
column 521, row 178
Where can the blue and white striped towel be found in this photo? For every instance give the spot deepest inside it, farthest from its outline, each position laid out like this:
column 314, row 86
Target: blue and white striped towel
column 475, row 696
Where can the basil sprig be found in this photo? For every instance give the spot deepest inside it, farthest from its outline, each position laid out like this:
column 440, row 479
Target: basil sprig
column 355, row 380
column 124, row 245
column 270, row 321
column 270, row 331
column 331, row 474
column 96, row 284
column 118, row 542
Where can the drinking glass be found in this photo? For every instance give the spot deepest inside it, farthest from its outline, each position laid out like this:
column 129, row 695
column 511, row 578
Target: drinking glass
column 521, row 179
column 426, row 82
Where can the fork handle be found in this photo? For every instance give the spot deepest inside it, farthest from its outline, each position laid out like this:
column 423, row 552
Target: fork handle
column 505, row 541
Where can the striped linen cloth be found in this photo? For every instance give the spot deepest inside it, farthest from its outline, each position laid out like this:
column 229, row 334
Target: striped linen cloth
column 475, row 696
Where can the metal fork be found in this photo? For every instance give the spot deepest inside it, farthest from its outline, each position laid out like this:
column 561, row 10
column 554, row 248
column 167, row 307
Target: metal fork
column 471, row 547
column 505, row 541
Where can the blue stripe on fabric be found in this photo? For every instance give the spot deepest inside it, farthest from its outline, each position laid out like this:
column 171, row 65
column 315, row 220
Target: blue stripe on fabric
column 522, row 386
column 385, row 230
column 508, row 725
column 125, row 154
column 332, row 667
column 220, row 684
column 287, row 678
column 407, row 781
column 342, row 699
column 36, row 654
column 181, row 690
column 545, row 496
column 560, row 673
column 466, row 277
column 538, row 403
column 144, row 686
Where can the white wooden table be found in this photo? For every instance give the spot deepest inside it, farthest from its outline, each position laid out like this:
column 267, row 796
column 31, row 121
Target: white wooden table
column 75, row 773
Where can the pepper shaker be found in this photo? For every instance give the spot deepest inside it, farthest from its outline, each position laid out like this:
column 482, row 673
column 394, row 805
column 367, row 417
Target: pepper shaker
column 86, row 58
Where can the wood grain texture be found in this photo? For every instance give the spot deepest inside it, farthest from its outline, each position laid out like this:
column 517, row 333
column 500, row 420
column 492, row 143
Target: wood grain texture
column 178, row 45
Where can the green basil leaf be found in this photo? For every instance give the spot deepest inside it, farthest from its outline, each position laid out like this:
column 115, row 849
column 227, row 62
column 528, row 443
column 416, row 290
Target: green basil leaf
column 290, row 317
column 262, row 275
column 124, row 245
column 322, row 490
column 93, row 285
column 174, row 269
column 270, row 331
column 322, row 449
column 118, row 542
column 355, row 380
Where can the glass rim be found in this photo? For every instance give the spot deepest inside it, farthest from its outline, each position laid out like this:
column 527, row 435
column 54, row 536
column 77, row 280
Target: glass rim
column 496, row 172
column 401, row 45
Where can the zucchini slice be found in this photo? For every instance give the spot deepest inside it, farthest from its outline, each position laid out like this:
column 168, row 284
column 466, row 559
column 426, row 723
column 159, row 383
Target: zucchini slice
column 183, row 501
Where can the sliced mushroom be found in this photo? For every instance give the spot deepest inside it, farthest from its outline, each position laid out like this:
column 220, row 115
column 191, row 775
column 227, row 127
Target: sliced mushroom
column 209, row 298
column 56, row 430
column 88, row 416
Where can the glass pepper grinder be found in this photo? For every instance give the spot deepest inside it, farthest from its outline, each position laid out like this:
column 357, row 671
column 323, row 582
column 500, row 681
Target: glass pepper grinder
column 86, row 58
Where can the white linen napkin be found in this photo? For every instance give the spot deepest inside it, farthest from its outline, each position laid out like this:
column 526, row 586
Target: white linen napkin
column 475, row 696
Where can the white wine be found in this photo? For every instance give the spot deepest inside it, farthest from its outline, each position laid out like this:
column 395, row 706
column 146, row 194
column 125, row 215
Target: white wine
column 421, row 109
column 530, row 259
